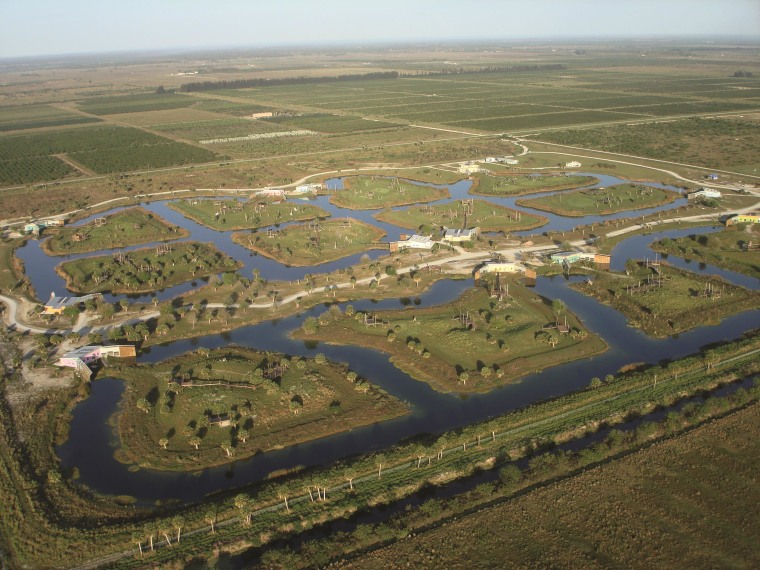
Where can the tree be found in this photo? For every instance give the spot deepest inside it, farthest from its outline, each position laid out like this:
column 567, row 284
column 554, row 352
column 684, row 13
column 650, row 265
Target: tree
column 178, row 522
column 143, row 405
column 163, row 442
column 464, row 376
column 243, row 434
column 148, row 532
column 210, row 518
column 227, row 447
column 283, row 494
column 351, row 376
column 164, row 529
column 137, row 539
column 558, row 306
column 195, row 441
column 353, row 282
column 243, row 504
column 72, row 312
column 350, row 475
column 379, row 459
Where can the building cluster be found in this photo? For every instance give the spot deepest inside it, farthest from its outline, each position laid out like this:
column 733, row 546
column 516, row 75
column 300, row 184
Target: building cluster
column 56, row 305
column 36, row 227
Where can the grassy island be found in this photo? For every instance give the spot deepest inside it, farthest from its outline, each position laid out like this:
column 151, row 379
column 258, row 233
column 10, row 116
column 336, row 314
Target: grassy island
column 665, row 300
column 495, row 185
column 145, row 269
column 473, row 344
column 371, row 192
column 601, row 201
column 129, row 227
column 312, row 243
column 487, row 216
column 729, row 249
column 243, row 214
column 208, row 407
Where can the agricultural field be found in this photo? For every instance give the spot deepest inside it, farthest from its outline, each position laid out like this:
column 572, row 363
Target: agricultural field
column 517, row 185
column 313, row 243
column 485, row 215
column 372, row 192
column 22, row 117
column 270, row 400
column 671, row 301
column 211, row 129
column 103, row 149
column 732, row 144
column 727, row 249
column 145, row 269
column 601, row 201
column 470, row 345
column 687, row 501
column 134, row 103
column 128, row 227
column 329, row 123
column 34, row 169
column 225, row 215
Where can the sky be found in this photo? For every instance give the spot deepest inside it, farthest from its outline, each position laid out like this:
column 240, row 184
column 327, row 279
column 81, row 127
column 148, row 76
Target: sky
column 55, row 27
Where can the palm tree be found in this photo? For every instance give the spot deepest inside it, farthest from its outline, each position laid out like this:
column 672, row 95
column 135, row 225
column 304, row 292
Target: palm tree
column 163, row 442
column 137, row 538
column 210, row 518
column 164, row 528
column 227, row 447
column 243, row 504
column 350, row 475
column 195, row 441
column 379, row 459
column 283, row 494
column 243, row 434
column 148, row 531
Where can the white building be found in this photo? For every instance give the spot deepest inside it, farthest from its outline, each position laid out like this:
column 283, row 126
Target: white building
column 469, row 168
column 307, row 188
column 272, row 192
column 573, row 164
column 705, row 193
column 412, row 242
column 454, row 236
column 502, row 267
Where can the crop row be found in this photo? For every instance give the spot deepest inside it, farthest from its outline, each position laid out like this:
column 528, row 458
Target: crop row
column 35, row 169
column 213, row 129
column 135, row 103
column 332, row 123
column 545, row 120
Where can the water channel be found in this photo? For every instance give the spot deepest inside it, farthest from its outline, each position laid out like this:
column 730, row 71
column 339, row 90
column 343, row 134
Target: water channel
column 92, row 440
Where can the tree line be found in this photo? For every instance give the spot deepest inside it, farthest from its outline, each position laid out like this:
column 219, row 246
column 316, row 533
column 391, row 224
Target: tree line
column 263, row 81
column 489, row 69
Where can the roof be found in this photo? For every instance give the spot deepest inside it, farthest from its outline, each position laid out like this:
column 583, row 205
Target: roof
column 81, row 352
column 460, row 233
column 564, row 254
column 62, row 302
column 419, row 239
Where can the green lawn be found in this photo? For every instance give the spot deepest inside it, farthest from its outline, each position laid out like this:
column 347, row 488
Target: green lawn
column 128, row 227
column 308, row 400
column 724, row 249
column 516, row 185
column 485, row 215
column 145, row 269
column 619, row 198
column 313, row 243
column 678, row 305
column 435, row 345
column 372, row 192
column 245, row 214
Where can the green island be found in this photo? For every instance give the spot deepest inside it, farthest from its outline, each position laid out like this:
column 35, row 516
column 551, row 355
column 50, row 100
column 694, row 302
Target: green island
column 314, row 242
column 618, row 198
column 132, row 226
column 203, row 408
column 145, row 269
column 501, row 185
column 244, row 214
column 485, row 215
column 472, row 344
column 734, row 248
column 663, row 300
column 373, row 192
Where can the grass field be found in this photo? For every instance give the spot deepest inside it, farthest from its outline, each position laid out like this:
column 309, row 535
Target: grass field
column 145, row 269
column 237, row 214
column 600, row 201
column 725, row 249
column 678, row 305
column 485, row 215
column 127, row 227
column 305, row 400
column 685, row 502
column 313, row 243
column 517, row 185
column 507, row 339
column 370, row 192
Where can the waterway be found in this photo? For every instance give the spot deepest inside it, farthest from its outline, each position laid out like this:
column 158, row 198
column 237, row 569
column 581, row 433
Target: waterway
column 92, row 440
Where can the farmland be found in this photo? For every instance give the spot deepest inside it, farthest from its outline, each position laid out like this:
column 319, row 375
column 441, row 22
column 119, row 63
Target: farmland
column 271, row 401
column 681, row 302
column 485, row 215
column 314, row 242
column 470, row 345
column 618, row 198
column 367, row 193
column 145, row 269
column 237, row 215
column 134, row 103
column 128, row 227
column 22, row 117
column 727, row 249
column 517, row 185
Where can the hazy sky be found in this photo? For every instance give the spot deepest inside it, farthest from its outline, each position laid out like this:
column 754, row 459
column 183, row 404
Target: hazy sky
column 40, row 27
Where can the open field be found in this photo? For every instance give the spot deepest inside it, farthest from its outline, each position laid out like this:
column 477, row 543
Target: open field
column 485, row 215
column 271, row 400
column 370, row 192
column 237, row 214
column 687, row 501
column 314, row 242
column 127, row 227
column 727, row 249
column 470, row 345
column 683, row 301
column 517, row 185
column 145, row 269
column 600, row 201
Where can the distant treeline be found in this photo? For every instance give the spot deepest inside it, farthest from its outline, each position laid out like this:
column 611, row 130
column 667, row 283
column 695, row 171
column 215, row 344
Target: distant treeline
column 490, row 69
column 263, row 82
